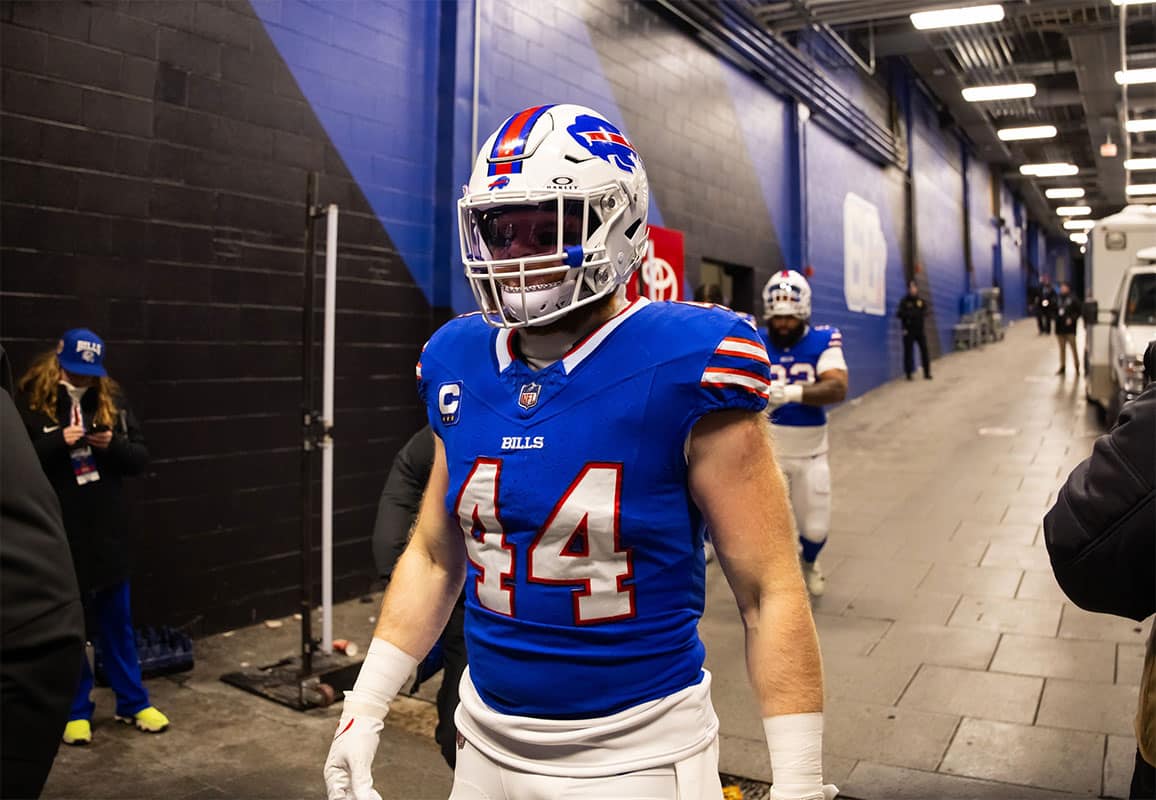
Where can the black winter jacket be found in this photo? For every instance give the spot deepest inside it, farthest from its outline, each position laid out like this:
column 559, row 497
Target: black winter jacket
column 96, row 516
column 1101, row 533
column 400, row 499
column 911, row 313
column 1068, row 310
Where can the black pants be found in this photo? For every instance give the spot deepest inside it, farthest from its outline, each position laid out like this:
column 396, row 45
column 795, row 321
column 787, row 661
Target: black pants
column 454, row 655
column 910, row 339
column 1044, row 321
column 1143, row 780
column 39, row 669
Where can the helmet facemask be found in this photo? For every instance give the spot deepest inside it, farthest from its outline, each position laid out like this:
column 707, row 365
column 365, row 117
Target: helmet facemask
column 531, row 257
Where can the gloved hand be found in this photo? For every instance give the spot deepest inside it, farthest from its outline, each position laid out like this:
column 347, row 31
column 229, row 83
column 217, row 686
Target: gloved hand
column 348, row 769
column 782, row 393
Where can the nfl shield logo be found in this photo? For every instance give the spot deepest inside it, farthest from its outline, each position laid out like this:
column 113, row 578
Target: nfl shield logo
column 528, row 397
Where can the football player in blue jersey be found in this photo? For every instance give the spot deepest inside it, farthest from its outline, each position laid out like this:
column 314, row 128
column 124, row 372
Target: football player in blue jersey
column 580, row 442
column 807, row 372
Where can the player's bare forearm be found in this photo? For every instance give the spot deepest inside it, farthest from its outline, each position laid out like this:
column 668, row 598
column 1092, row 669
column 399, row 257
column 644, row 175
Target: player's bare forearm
column 741, row 491
column 428, row 576
column 830, row 388
column 783, row 659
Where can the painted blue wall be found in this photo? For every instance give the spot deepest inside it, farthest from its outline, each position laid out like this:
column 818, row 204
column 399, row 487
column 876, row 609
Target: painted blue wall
column 983, row 231
column 1015, row 274
column 871, row 342
column 370, row 72
column 768, row 128
column 938, row 214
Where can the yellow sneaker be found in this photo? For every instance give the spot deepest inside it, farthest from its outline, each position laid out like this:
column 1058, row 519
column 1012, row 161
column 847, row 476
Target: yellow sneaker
column 77, row 732
column 149, row 720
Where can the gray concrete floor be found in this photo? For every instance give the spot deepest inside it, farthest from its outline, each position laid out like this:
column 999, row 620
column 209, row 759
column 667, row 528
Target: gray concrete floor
column 955, row 666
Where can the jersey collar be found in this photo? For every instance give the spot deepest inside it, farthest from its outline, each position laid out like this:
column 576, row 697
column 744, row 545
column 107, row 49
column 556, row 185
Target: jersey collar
column 504, row 341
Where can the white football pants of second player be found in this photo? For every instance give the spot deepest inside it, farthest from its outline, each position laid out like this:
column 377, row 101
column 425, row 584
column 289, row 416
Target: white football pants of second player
column 809, row 483
column 476, row 777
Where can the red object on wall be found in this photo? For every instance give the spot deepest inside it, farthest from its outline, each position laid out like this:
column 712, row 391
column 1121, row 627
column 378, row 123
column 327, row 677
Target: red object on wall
column 661, row 275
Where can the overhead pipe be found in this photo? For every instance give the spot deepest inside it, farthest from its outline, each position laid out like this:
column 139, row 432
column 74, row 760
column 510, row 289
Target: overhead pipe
column 735, row 29
column 848, row 119
column 848, row 50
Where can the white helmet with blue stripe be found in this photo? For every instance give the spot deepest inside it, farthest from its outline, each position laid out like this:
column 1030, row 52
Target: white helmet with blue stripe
column 554, row 215
column 787, row 294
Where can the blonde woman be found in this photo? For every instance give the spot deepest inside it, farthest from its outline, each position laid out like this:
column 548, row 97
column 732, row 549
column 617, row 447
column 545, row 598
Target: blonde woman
column 88, row 441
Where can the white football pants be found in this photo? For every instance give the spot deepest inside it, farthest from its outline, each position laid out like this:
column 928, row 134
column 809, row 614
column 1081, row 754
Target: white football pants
column 476, row 777
column 809, row 483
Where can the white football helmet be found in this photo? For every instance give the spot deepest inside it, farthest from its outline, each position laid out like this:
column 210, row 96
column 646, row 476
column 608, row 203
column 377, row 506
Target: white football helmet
column 787, row 294
column 554, row 216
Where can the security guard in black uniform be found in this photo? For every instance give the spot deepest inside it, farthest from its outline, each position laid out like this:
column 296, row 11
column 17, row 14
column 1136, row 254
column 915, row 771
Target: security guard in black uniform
column 1045, row 305
column 912, row 309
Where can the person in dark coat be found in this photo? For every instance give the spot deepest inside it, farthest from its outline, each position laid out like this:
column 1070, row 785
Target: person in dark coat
column 911, row 313
column 1067, row 314
column 396, row 512
column 41, row 621
column 1045, row 305
column 88, row 441
column 1101, row 536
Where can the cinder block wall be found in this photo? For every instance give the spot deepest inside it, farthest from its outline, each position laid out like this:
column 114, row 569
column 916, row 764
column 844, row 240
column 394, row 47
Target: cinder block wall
column 153, row 161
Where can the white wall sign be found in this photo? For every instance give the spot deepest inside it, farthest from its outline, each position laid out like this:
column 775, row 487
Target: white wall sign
column 864, row 257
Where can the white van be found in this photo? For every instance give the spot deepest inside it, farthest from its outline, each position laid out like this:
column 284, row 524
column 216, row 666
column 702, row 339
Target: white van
column 1133, row 326
column 1113, row 247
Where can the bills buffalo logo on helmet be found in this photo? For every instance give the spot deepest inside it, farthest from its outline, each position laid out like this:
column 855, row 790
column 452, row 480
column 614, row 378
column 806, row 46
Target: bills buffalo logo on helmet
column 605, row 141
column 500, row 183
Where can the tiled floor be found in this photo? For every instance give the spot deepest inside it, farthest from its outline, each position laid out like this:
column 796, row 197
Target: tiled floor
column 955, row 666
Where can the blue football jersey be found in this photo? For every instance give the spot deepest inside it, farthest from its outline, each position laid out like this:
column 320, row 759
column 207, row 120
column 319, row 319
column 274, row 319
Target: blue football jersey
column 800, row 364
column 585, row 578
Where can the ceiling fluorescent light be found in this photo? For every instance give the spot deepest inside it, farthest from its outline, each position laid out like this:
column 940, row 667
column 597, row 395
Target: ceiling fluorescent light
column 1140, row 188
column 1127, row 77
column 1065, row 193
column 1140, row 125
column 1131, row 2
column 1079, row 238
column 1139, row 163
column 1049, row 170
column 1079, row 224
column 1073, row 211
column 1007, row 91
column 952, row 17
column 1030, row 132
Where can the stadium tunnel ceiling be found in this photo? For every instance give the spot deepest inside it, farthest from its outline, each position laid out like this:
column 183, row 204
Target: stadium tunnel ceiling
column 1069, row 50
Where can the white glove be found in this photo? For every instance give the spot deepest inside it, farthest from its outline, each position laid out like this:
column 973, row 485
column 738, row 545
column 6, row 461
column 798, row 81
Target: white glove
column 348, row 769
column 783, row 393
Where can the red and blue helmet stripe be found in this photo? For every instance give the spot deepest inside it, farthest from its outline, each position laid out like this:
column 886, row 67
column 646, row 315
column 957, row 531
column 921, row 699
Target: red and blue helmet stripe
column 511, row 140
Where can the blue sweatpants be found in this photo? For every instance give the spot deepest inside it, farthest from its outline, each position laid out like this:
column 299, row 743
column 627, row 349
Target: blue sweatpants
column 109, row 609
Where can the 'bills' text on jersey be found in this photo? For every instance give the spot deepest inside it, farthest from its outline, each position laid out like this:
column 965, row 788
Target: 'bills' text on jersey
column 585, row 579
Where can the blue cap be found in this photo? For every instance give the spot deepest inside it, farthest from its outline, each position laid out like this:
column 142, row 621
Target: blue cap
column 82, row 352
